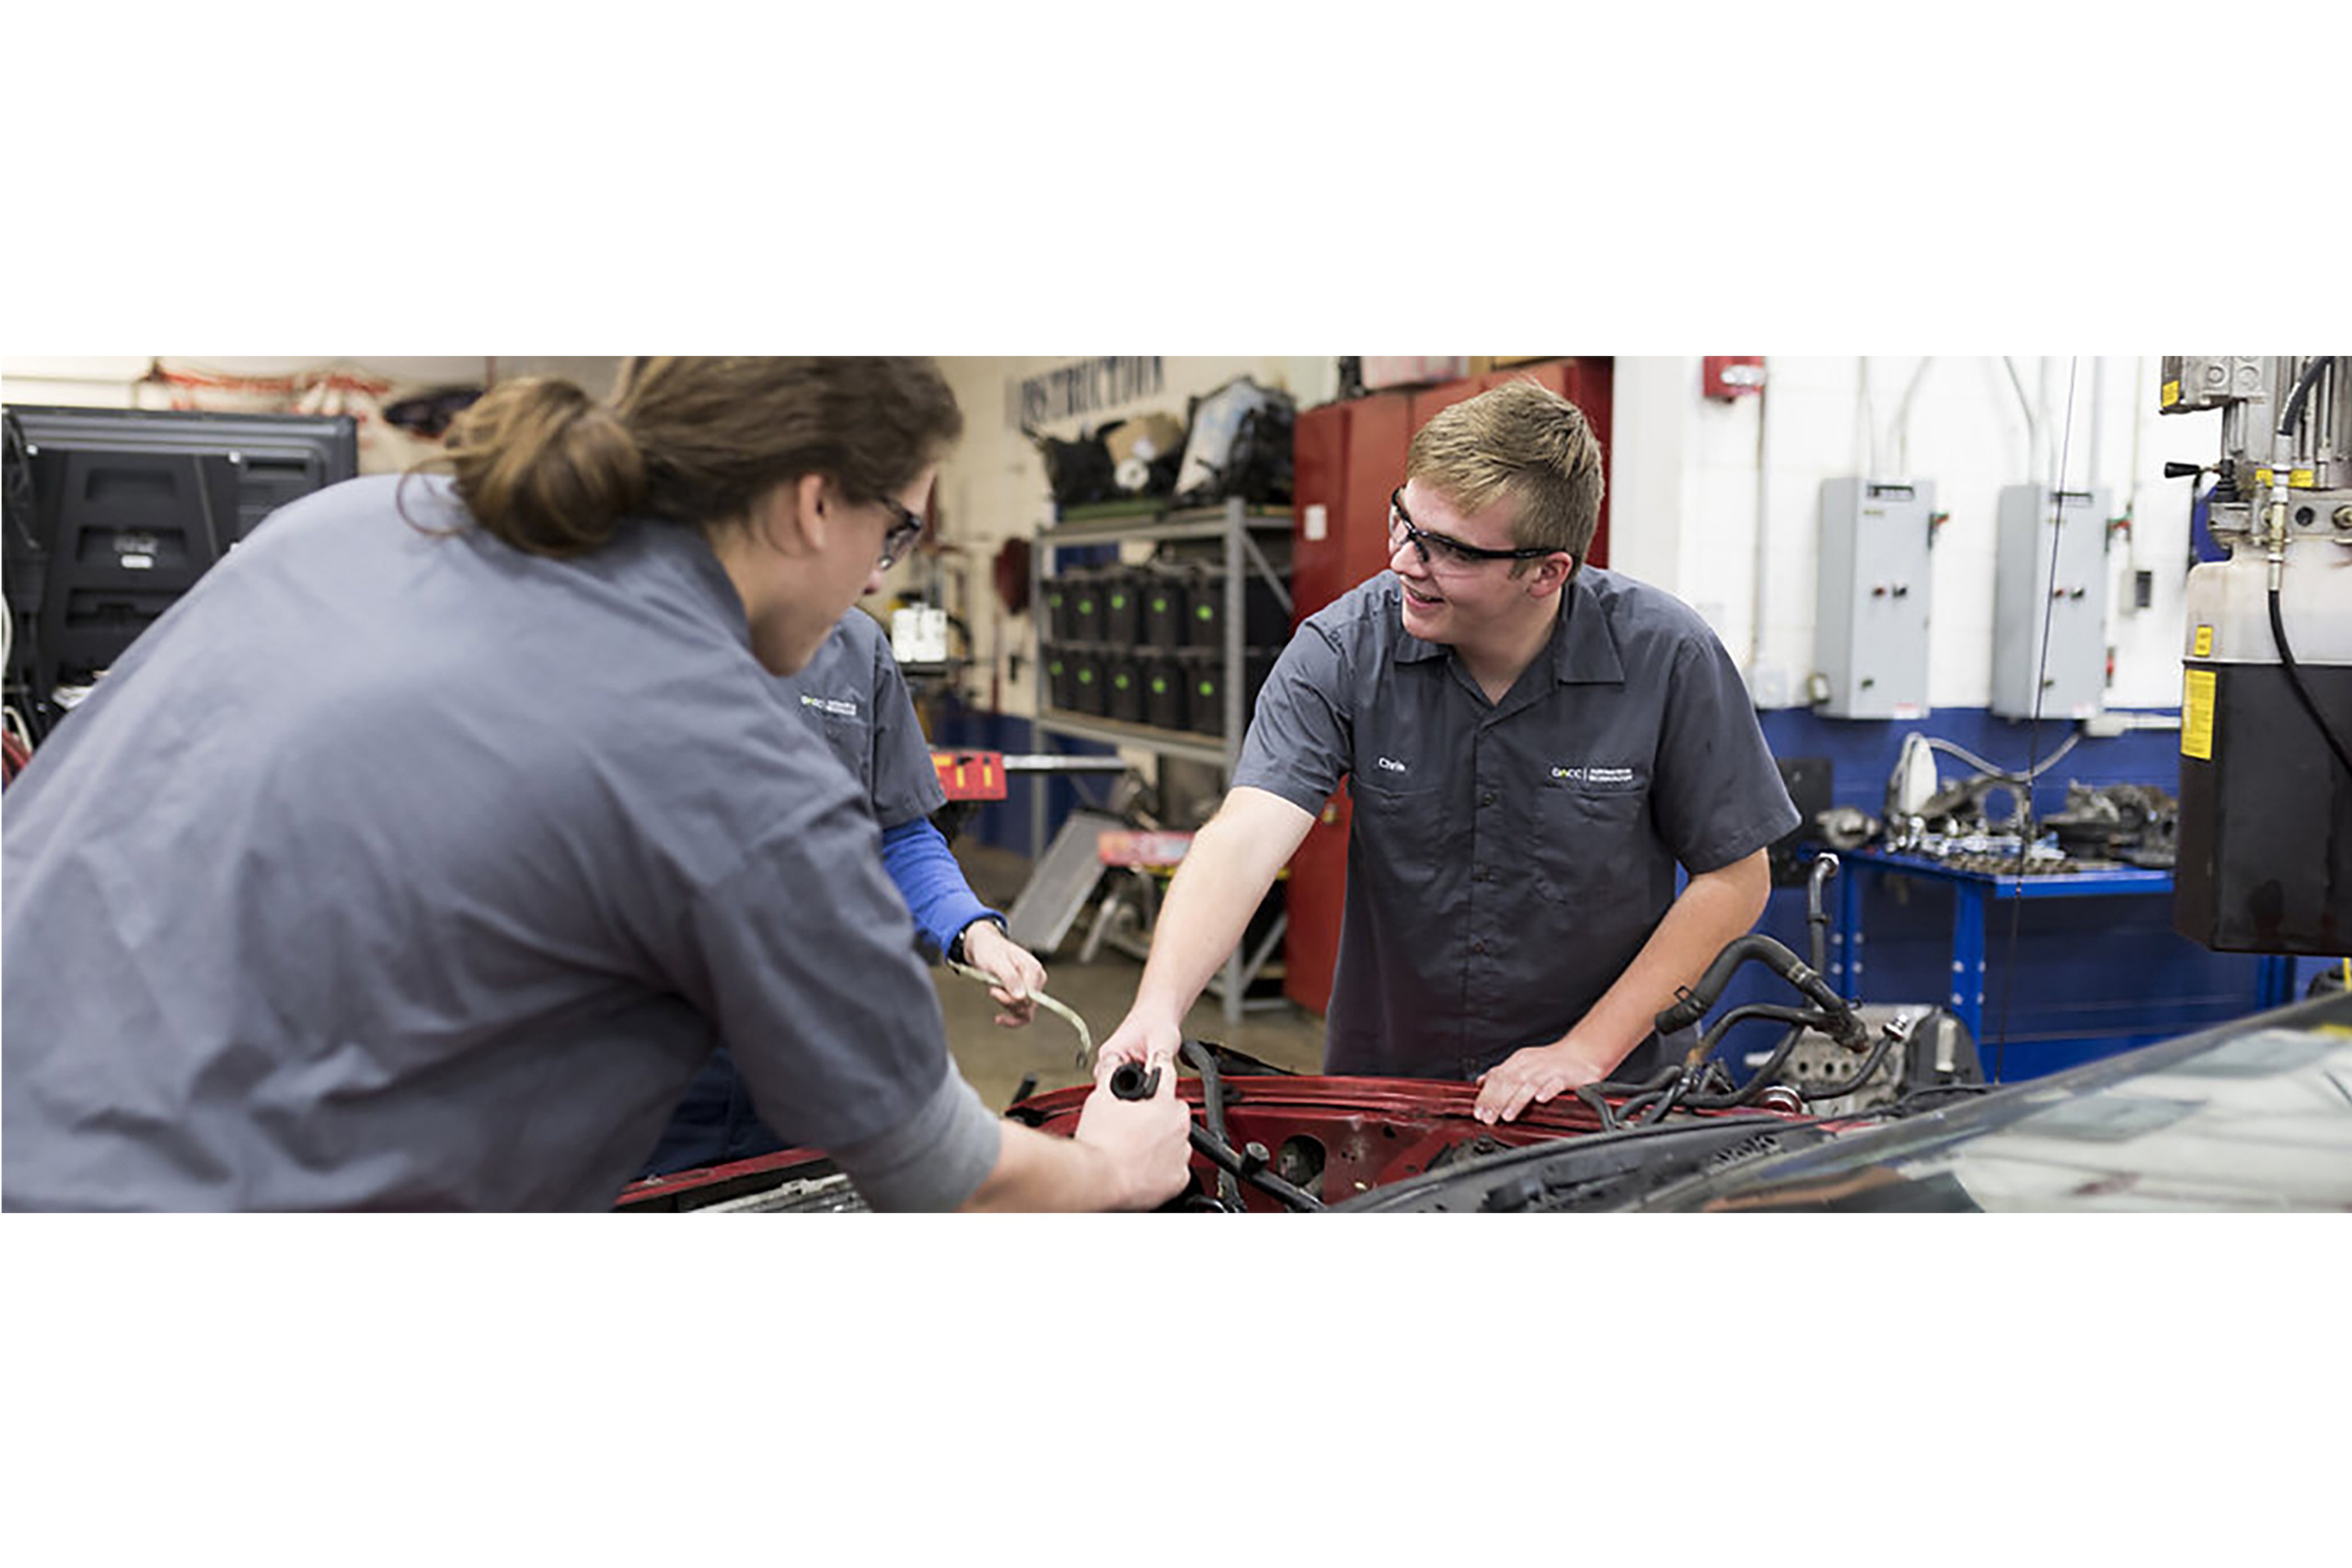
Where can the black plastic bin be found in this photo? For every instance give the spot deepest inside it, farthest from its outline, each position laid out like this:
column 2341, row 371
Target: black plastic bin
column 1265, row 622
column 1164, row 597
column 1123, row 685
column 1122, row 605
column 1163, row 681
column 1088, row 685
column 1204, row 672
column 1086, row 606
column 1060, row 675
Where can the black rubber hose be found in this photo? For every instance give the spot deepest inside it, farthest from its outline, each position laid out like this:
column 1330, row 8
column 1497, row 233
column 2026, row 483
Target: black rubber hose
column 2302, row 692
column 1817, row 919
column 1130, row 1081
column 1220, row 1148
column 1628, row 1110
column 1658, row 1079
column 2292, row 409
column 1845, row 1027
column 1230, row 1165
column 1800, row 1018
column 1658, row 1104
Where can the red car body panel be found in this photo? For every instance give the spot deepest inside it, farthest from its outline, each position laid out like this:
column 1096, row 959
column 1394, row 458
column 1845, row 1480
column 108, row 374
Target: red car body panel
column 1359, row 1134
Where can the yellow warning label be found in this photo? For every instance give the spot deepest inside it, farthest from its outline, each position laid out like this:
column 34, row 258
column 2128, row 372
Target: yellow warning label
column 2203, row 646
column 2196, row 714
column 2171, row 393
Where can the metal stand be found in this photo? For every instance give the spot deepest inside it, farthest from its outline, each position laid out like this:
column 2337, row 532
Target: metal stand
column 1239, row 527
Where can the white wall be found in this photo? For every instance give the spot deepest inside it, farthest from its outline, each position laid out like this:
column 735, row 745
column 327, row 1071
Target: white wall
column 1698, row 513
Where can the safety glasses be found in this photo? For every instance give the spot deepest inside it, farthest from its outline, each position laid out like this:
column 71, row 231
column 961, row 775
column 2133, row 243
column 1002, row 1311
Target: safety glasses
column 905, row 528
column 1443, row 550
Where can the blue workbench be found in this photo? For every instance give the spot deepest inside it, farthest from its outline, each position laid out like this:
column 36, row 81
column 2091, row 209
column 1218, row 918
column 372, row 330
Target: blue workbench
column 1977, row 894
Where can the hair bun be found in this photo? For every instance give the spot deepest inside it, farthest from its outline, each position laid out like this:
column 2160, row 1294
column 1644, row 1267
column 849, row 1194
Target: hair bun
column 545, row 468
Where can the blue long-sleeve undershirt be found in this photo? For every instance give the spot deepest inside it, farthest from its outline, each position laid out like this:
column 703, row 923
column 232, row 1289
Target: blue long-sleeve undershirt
column 928, row 878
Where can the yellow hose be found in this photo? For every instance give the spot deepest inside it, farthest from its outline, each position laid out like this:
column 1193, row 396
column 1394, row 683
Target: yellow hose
column 1086, row 1036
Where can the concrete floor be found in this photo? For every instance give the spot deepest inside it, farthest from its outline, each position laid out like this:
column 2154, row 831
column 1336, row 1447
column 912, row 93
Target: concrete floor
column 995, row 1059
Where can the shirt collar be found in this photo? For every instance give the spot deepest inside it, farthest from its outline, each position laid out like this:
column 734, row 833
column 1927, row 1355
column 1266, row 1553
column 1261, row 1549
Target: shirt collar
column 1582, row 649
column 1583, row 646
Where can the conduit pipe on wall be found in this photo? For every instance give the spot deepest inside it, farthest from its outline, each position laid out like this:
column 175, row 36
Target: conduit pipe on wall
column 1763, row 543
column 2033, row 426
column 1903, row 418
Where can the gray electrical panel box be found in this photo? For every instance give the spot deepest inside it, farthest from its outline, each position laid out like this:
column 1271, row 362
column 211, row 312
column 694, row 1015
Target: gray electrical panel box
column 1870, row 624
column 2049, row 592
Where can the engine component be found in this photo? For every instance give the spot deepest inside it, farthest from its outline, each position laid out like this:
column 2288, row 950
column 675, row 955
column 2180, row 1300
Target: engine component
column 1939, row 1052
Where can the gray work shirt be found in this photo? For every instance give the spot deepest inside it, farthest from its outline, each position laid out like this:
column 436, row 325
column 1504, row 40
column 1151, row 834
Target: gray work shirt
column 397, row 871
column 1505, row 861
column 856, row 696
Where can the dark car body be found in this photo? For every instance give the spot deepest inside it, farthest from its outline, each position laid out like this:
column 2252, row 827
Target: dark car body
column 2251, row 1115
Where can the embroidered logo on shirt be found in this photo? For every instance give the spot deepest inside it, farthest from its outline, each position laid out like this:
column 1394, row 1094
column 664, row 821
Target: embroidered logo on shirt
column 839, row 707
column 1597, row 777
column 1390, row 765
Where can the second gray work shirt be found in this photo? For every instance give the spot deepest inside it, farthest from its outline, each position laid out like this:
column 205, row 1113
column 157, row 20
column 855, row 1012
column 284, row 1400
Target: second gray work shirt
column 1505, row 862
column 852, row 691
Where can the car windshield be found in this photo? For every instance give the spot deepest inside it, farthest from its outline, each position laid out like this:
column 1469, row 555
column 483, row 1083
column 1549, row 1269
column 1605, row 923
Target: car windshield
column 2240, row 1117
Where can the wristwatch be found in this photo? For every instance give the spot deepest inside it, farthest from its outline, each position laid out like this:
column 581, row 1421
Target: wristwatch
column 955, row 948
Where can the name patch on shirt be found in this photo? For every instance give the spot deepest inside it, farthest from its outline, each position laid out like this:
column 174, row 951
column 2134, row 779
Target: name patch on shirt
column 839, row 707
column 1596, row 776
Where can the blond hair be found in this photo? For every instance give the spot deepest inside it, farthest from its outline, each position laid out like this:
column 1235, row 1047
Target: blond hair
column 1523, row 441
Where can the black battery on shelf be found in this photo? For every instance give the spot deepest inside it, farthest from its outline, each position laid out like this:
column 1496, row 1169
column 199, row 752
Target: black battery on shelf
column 1061, row 676
column 1088, row 686
column 1165, row 702
column 1122, row 674
column 1162, row 593
column 1265, row 621
column 1086, row 608
column 1122, row 605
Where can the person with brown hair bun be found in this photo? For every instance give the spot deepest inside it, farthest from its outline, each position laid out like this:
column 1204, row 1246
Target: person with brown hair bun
column 419, row 856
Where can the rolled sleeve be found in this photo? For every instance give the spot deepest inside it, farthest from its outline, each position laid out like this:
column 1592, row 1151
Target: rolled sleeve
column 1721, row 796
column 932, row 1161
column 905, row 783
column 1299, row 742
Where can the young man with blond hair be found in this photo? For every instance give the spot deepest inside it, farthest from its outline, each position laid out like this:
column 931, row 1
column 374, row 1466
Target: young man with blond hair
column 1533, row 745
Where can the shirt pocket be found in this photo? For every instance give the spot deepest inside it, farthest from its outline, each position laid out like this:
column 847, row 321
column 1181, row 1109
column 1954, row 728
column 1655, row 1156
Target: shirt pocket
column 1590, row 848
column 850, row 738
column 1399, row 836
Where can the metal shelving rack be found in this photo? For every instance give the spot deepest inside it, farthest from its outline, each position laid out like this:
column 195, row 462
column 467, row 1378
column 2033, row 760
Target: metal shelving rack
column 1239, row 526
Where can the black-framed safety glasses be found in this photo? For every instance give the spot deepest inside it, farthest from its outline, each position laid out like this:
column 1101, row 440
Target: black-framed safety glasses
column 1445, row 546
column 906, row 527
